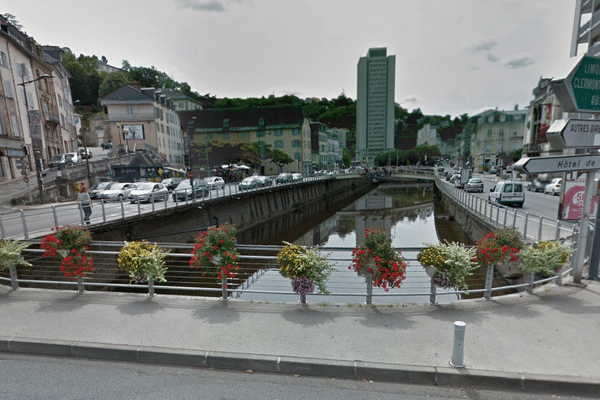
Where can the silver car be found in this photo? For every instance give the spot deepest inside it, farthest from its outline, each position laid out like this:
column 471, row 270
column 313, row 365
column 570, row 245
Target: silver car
column 146, row 192
column 474, row 185
column 117, row 192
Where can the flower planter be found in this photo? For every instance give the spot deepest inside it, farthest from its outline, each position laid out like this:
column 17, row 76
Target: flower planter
column 430, row 270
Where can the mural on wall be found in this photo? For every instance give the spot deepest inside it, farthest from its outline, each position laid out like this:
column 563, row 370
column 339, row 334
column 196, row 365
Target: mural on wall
column 136, row 132
column 573, row 202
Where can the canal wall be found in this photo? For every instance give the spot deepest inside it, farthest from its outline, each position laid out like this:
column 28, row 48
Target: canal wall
column 248, row 211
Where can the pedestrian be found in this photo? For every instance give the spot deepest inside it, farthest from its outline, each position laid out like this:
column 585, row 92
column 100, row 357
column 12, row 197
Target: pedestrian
column 85, row 203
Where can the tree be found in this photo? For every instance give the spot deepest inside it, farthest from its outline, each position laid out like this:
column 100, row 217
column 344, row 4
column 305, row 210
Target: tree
column 346, row 158
column 279, row 158
column 112, row 82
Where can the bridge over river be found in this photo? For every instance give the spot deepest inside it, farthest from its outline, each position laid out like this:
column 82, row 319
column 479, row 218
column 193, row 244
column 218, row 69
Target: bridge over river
column 259, row 280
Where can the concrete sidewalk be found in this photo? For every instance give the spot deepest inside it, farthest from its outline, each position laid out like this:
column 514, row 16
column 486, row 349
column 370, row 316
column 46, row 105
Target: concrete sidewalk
column 543, row 341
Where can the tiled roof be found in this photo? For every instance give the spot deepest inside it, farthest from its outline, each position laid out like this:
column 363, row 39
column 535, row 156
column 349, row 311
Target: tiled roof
column 244, row 117
column 127, row 94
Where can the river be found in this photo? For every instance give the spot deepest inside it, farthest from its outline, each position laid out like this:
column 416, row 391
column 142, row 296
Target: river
column 405, row 211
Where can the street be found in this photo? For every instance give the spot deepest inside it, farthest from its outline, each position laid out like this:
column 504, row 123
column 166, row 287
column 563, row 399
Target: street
column 24, row 377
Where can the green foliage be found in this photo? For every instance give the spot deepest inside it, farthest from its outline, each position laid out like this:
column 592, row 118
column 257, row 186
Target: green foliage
column 453, row 263
column 142, row 261
column 544, row 258
column 112, row 82
column 10, row 253
column 297, row 261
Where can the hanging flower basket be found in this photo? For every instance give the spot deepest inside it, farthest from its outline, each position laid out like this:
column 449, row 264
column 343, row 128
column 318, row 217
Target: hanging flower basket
column 377, row 257
column 215, row 254
column 71, row 242
column 304, row 265
column 451, row 264
column 143, row 261
column 544, row 258
column 11, row 253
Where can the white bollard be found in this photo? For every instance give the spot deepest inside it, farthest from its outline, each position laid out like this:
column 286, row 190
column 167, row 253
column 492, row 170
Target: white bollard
column 459, row 340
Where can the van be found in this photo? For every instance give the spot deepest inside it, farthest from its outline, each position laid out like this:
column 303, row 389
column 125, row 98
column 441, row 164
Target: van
column 508, row 192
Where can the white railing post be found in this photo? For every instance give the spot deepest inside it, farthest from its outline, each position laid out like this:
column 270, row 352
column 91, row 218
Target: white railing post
column 489, row 280
column 103, row 211
column 25, row 232
column 557, row 235
column 540, row 229
column 14, row 283
column 369, row 289
column 55, row 216
column 525, row 226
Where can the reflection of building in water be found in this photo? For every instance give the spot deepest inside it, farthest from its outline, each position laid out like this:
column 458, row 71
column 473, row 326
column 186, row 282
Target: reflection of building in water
column 320, row 234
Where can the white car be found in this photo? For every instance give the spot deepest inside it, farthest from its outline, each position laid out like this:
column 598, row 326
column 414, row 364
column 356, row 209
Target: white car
column 553, row 187
column 117, row 192
column 214, row 182
column 149, row 191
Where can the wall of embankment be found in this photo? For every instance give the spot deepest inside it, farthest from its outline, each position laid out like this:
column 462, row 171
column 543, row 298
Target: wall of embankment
column 247, row 210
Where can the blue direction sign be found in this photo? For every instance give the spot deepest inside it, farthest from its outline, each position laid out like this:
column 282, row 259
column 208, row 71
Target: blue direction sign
column 539, row 165
column 583, row 84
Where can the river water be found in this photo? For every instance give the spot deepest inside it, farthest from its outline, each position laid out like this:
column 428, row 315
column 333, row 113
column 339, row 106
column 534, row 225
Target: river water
column 406, row 212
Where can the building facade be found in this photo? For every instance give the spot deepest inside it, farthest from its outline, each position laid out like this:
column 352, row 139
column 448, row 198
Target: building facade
column 586, row 24
column 29, row 119
column 375, row 105
column 283, row 128
column 181, row 102
column 144, row 118
column 497, row 133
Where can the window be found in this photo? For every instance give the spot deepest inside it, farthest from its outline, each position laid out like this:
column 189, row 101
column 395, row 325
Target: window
column 4, row 60
column 278, row 132
column 226, row 135
column 279, row 144
column 297, row 155
column 489, row 135
column 296, row 143
column 244, row 135
column 296, row 132
column 129, row 111
column 15, row 125
column 9, row 89
column 226, row 123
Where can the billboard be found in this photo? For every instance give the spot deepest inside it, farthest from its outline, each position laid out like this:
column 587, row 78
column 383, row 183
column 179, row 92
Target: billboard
column 573, row 201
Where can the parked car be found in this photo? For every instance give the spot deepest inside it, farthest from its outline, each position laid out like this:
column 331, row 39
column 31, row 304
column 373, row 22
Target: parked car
column 249, row 183
column 553, row 187
column 474, row 185
column 146, row 192
column 215, row 182
column 171, row 183
column 85, row 154
column 117, row 192
column 184, row 190
column 296, row 177
column 59, row 161
column 99, row 188
column 538, row 185
column 75, row 157
column 284, row 177
column 508, row 192
column 265, row 181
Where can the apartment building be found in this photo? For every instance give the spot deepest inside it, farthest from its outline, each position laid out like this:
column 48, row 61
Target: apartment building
column 181, row 102
column 144, row 118
column 283, row 128
column 29, row 119
column 375, row 105
column 497, row 132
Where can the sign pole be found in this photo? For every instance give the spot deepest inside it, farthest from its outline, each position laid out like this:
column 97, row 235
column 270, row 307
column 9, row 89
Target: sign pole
column 584, row 228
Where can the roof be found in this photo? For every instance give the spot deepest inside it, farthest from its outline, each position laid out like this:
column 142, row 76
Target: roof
column 272, row 116
column 127, row 94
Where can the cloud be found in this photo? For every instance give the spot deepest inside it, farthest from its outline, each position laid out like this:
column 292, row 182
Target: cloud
column 411, row 100
column 203, row 6
column 493, row 58
column 519, row 61
column 481, row 46
column 211, row 5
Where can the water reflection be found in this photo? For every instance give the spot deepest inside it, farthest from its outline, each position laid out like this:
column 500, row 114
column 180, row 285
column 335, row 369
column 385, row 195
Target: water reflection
column 405, row 212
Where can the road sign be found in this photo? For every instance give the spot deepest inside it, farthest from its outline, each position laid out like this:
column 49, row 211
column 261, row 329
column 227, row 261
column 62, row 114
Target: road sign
column 26, row 179
column 190, row 174
column 574, row 133
column 583, row 85
column 538, row 165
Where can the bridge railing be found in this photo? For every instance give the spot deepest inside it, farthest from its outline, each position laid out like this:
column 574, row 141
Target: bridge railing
column 258, row 278
column 31, row 222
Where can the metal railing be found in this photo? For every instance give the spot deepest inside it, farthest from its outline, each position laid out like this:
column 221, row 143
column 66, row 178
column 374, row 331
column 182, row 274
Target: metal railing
column 28, row 223
column 256, row 262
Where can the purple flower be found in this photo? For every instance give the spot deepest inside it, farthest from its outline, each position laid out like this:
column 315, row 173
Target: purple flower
column 302, row 285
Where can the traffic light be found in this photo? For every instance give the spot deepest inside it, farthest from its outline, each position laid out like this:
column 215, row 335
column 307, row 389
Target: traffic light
column 186, row 160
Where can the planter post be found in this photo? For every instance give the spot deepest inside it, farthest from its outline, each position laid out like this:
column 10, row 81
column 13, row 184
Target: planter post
column 432, row 293
column 489, row 279
column 530, row 279
column 80, row 286
column 14, row 284
column 370, row 289
column 150, row 287
column 224, row 288
column 302, row 299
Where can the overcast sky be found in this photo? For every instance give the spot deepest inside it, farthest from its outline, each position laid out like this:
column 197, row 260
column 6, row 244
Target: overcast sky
column 452, row 56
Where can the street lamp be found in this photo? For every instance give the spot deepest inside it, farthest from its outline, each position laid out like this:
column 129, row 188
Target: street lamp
column 34, row 143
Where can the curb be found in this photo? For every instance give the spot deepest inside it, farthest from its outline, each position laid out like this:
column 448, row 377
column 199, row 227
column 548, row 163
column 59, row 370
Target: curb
column 344, row 369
